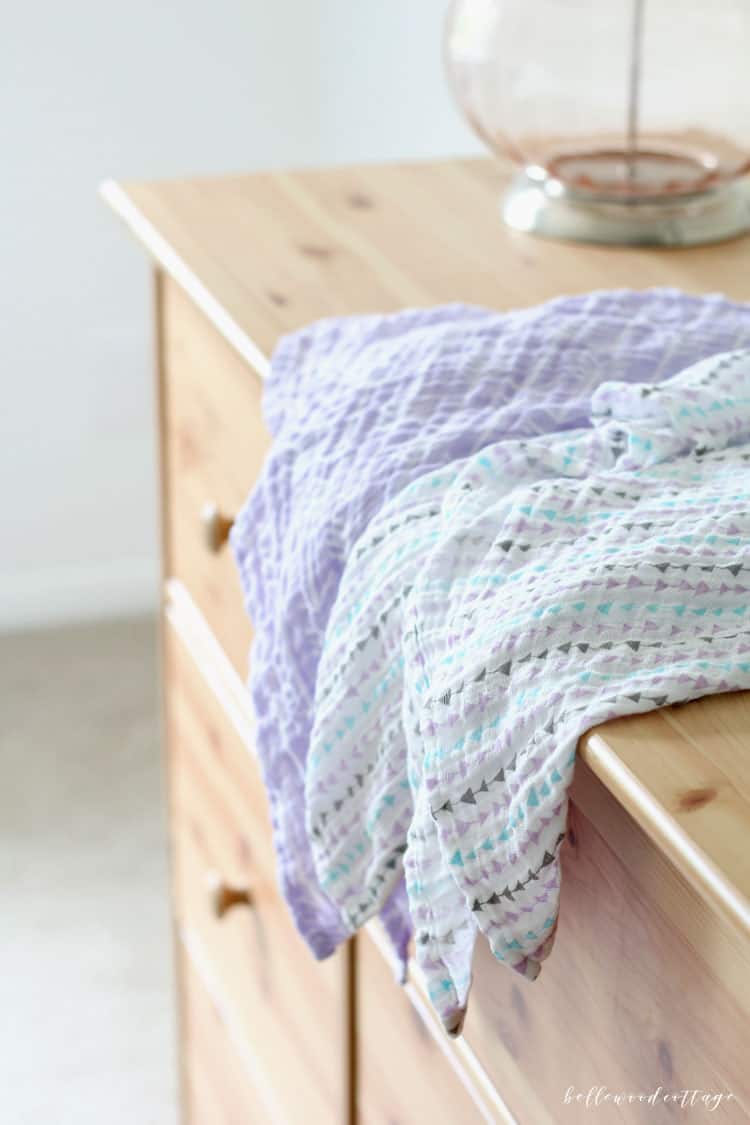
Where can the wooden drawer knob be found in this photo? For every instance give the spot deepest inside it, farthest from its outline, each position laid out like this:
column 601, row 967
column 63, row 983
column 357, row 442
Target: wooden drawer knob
column 224, row 897
column 216, row 527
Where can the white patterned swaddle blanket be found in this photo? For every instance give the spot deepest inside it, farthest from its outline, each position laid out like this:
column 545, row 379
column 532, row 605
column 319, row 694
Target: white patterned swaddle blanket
column 490, row 614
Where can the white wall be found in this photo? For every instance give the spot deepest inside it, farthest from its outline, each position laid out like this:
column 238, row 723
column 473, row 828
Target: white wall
column 91, row 90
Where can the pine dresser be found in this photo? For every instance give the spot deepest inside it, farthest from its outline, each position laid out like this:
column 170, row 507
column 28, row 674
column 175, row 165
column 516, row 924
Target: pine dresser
column 643, row 1011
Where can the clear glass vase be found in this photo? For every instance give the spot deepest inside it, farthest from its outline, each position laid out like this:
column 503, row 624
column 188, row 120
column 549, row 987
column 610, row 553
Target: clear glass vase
column 630, row 119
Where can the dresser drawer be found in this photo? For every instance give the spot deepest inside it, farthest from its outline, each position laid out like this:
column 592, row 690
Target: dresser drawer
column 217, row 1088
column 404, row 1075
column 645, row 990
column 290, row 1010
column 214, row 443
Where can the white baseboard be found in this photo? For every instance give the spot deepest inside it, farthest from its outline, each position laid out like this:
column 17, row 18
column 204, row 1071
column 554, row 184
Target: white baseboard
column 89, row 592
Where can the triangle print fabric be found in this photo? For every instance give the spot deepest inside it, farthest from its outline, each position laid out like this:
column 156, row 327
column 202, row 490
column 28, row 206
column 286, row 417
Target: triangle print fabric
column 359, row 408
column 493, row 611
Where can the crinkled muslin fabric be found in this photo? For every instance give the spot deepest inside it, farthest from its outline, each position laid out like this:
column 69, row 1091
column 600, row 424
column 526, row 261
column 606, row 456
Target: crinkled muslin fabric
column 492, row 613
column 361, row 408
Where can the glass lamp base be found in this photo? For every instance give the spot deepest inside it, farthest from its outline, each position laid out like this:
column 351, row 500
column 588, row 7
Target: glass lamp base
column 539, row 205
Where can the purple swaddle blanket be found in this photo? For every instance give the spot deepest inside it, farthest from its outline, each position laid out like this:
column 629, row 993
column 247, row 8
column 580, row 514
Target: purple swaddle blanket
column 358, row 408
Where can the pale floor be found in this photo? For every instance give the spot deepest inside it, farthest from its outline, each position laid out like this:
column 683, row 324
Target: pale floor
column 86, row 1013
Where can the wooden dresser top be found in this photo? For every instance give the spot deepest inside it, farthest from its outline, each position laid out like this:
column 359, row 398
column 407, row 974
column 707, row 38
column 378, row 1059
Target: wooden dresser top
column 264, row 254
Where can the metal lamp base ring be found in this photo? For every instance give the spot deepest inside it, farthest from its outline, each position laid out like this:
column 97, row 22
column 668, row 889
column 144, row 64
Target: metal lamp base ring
column 546, row 208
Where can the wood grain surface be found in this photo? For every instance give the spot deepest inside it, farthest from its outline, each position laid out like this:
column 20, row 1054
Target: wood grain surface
column 645, row 988
column 276, row 250
column 218, row 1089
column 213, row 445
column 403, row 1074
column 289, row 1011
